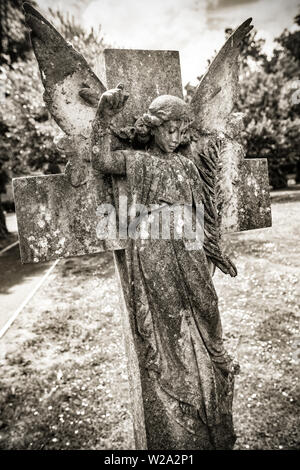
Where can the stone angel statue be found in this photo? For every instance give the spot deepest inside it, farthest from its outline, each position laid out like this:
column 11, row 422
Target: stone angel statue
column 170, row 154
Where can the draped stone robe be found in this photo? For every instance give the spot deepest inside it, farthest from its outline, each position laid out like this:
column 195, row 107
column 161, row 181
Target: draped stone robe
column 176, row 316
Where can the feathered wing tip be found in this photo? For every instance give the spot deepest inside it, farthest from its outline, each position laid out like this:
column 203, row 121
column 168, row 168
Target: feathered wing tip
column 31, row 13
column 65, row 73
column 217, row 91
column 212, row 105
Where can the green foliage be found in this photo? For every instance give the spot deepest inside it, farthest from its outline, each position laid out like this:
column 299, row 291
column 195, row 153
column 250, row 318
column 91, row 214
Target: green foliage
column 27, row 143
column 271, row 114
column 14, row 37
column 28, row 131
column 269, row 88
column 291, row 40
column 14, row 45
column 28, row 128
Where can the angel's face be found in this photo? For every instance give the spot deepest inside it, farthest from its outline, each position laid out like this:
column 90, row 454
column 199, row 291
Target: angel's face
column 168, row 136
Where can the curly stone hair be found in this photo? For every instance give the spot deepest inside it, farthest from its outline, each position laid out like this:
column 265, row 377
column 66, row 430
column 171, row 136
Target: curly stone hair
column 162, row 109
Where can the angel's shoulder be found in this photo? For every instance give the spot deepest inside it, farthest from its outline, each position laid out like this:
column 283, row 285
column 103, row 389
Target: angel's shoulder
column 132, row 153
column 189, row 163
column 140, row 158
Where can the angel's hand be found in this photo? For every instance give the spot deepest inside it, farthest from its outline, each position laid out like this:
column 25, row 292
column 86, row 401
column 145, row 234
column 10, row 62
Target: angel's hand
column 226, row 266
column 112, row 102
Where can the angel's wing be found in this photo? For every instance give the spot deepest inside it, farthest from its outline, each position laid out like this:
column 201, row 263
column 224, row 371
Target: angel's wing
column 71, row 87
column 217, row 91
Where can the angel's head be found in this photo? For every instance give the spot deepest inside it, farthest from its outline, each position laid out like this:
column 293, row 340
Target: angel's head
column 168, row 119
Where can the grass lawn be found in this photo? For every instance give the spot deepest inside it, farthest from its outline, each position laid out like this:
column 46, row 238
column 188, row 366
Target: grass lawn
column 63, row 367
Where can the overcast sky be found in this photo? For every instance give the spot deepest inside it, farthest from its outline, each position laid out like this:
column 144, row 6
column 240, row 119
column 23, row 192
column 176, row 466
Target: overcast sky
column 194, row 27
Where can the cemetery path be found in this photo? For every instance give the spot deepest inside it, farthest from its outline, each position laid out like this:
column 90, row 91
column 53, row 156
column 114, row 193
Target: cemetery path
column 17, row 283
column 63, row 367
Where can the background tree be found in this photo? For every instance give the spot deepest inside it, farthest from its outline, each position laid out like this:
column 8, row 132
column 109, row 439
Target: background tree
column 271, row 113
column 14, row 38
column 268, row 88
column 28, row 131
column 14, row 45
column 290, row 41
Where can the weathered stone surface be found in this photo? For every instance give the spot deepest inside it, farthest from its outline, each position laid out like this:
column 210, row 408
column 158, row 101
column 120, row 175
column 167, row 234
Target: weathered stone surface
column 243, row 200
column 254, row 205
column 133, row 68
column 145, row 75
column 57, row 220
column 163, row 415
column 180, row 374
column 218, row 89
column 243, row 196
column 64, row 72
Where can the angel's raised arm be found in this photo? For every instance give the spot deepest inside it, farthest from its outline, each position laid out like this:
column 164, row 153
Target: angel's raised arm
column 102, row 158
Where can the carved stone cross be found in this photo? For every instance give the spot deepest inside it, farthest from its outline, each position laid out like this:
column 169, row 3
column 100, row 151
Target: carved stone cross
column 57, row 214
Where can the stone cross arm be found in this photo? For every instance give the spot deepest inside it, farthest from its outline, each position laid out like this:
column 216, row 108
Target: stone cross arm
column 57, row 215
column 58, row 219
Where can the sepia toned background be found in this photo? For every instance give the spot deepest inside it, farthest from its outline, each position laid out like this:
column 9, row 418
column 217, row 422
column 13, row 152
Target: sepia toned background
column 63, row 376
